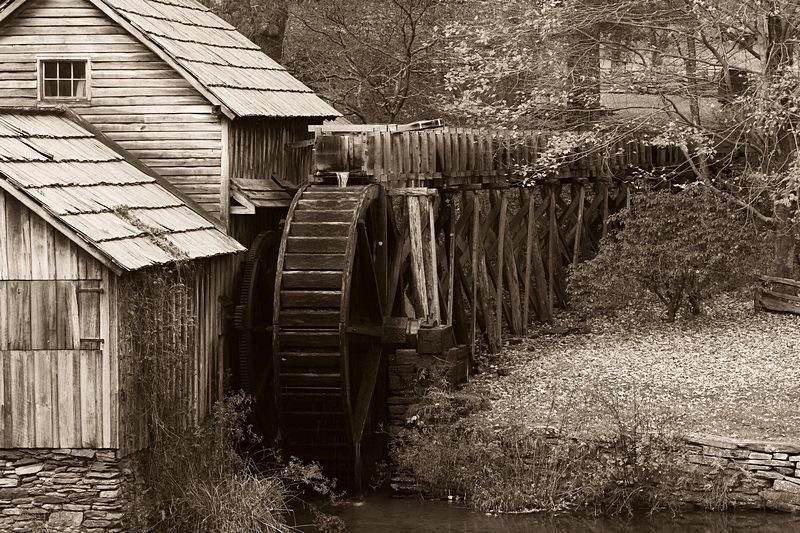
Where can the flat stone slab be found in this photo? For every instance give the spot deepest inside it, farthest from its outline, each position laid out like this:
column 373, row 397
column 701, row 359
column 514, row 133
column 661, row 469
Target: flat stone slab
column 767, row 446
column 713, row 441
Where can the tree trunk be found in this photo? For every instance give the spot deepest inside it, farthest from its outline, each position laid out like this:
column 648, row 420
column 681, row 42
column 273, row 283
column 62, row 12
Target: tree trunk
column 779, row 56
column 270, row 36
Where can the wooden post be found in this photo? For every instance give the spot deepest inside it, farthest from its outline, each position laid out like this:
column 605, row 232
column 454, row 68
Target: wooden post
column 604, row 191
column 417, row 254
column 382, row 259
column 627, row 194
column 526, row 195
column 452, row 261
column 501, row 238
column 576, row 251
column 430, row 259
column 476, row 235
column 225, row 175
column 552, row 248
column 545, row 313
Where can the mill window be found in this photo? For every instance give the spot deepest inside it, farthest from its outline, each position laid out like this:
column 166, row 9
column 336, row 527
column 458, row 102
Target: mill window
column 64, row 80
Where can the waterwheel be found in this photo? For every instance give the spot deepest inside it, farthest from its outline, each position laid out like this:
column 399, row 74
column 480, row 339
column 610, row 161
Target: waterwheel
column 327, row 336
column 253, row 320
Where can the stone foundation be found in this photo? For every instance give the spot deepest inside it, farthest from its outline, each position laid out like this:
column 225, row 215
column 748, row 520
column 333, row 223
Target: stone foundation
column 411, row 372
column 726, row 474
column 62, row 491
column 745, row 474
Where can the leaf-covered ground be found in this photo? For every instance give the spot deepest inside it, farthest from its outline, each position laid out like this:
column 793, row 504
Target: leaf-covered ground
column 732, row 372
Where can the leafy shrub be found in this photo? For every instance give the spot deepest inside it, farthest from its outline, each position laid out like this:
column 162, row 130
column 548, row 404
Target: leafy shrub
column 637, row 465
column 197, row 480
column 194, row 478
column 680, row 247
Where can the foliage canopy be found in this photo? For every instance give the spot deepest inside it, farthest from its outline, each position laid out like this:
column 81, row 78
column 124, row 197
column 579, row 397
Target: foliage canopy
column 680, row 247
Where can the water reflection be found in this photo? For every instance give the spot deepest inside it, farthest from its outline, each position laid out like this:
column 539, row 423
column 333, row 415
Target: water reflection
column 387, row 515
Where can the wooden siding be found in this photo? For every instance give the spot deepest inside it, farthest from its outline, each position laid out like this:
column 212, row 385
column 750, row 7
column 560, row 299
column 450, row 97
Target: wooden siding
column 137, row 99
column 196, row 382
column 57, row 351
column 259, row 149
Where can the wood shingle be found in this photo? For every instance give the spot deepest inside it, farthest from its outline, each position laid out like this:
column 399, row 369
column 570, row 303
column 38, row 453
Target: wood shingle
column 126, row 214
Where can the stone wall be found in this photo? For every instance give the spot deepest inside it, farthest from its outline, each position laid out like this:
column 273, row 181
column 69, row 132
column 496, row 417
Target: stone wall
column 411, row 372
column 745, row 474
column 62, row 490
column 722, row 473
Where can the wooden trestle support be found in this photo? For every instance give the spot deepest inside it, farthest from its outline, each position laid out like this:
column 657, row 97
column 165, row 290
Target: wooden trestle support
column 428, row 237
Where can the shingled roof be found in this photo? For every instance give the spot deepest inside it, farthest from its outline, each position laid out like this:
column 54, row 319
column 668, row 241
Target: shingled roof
column 225, row 62
column 50, row 161
column 211, row 54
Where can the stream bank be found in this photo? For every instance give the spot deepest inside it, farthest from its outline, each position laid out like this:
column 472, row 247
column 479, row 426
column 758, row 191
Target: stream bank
column 698, row 413
column 383, row 514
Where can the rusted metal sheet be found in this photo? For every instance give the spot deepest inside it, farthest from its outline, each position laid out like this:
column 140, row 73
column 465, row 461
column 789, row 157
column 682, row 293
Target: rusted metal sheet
column 117, row 209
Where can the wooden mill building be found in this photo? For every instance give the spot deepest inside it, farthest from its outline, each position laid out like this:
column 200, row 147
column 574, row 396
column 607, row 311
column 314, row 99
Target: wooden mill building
column 79, row 219
column 173, row 84
column 134, row 135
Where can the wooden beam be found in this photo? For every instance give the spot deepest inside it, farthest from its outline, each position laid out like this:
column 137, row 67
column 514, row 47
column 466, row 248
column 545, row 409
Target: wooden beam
column 501, row 240
column 431, row 270
column 225, row 175
column 476, row 212
column 365, row 394
column 576, row 251
column 382, row 253
column 526, row 194
column 452, row 261
column 11, row 9
column 553, row 247
column 417, row 255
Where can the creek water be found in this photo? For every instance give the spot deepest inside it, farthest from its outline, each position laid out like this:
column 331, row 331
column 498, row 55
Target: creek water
column 381, row 514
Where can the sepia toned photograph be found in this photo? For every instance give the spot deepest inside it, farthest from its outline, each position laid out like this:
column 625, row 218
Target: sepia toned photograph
column 399, row 266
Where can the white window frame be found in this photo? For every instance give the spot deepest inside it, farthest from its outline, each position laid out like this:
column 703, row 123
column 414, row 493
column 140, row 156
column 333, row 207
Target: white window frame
column 40, row 61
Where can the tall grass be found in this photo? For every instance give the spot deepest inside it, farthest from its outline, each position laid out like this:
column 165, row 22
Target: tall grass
column 197, row 481
column 636, row 464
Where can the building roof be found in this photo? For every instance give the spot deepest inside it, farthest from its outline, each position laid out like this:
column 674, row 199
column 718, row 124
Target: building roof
column 260, row 193
column 106, row 202
column 213, row 56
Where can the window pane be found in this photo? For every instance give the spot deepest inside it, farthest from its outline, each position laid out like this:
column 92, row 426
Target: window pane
column 64, row 70
column 65, row 79
column 79, row 88
column 79, row 70
column 51, row 88
column 64, row 88
column 50, row 69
